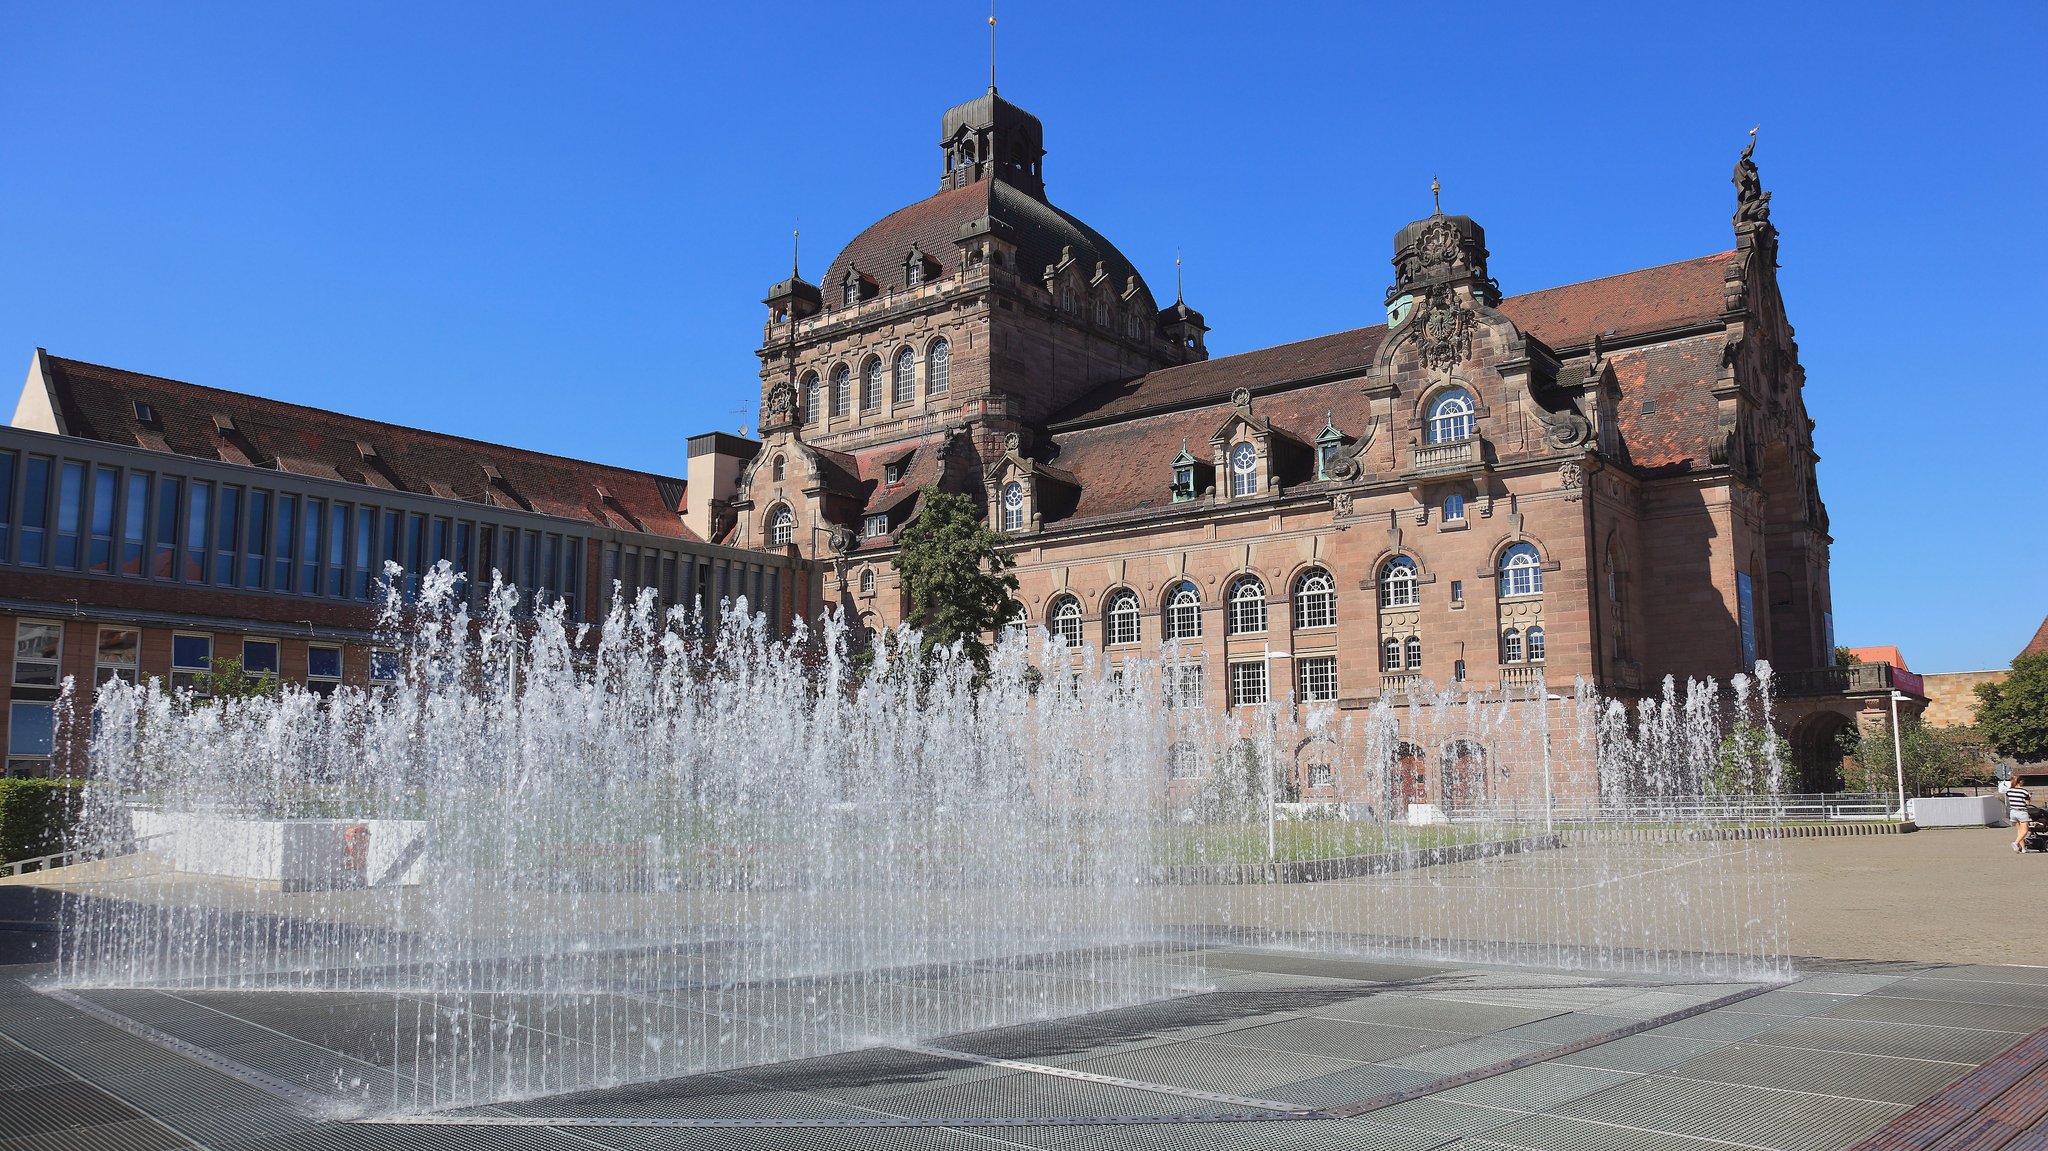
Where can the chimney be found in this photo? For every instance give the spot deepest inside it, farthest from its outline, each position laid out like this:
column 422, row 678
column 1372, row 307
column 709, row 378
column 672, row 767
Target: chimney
column 715, row 462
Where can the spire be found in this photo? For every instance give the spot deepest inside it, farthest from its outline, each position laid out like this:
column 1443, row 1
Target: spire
column 991, row 45
column 1436, row 193
column 1178, row 298
column 796, row 236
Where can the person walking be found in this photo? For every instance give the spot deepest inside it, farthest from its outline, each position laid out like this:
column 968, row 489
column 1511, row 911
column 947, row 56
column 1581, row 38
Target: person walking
column 2018, row 801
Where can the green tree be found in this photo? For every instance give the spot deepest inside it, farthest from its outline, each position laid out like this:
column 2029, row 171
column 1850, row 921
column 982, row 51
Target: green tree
column 2013, row 716
column 1846, row 658
column 1747, row 762
column 230, row 680
column 1935, row 759
column 955, row 576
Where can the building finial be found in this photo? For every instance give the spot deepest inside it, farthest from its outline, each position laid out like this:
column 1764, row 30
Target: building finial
column 796, row 236
column 1178, row 298
column 1436, row 192
column 1752, row 203
column 991, row 45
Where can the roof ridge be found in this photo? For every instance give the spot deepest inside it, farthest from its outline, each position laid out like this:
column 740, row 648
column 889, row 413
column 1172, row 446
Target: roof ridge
column 67, row 362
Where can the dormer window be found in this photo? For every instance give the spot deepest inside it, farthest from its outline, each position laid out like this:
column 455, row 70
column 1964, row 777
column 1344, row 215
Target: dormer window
column 913, row 271
column 892, row 474
column 1183, row 476
column 851, row 295
column 1329, row 450
column 1244, row 469
column 875, row 526
column 145, row 412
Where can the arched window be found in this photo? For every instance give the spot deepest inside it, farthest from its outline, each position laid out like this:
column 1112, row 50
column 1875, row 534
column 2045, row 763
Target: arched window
column 1413, row 648
column 1511, row 646
column 1390, row 655
column 781, row 526
column 1120, row 618
column 1244, row 469
column 867, row 581
column 810, row 399
column 1450, row 417
column 1398, row 586
column 1536, row 644
column 779, row 469
column 1247, row 608
column 1454, row 508
column 871, row 385
column 938, row 368
column 1183, row 617
column 903, row 386
column 1013, row 507
column 1315, row 600
column 1521, row 571
column 1064, row 620
column 842, row 392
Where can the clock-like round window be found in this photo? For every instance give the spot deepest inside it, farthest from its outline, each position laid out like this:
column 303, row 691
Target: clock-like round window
column 1013, row 507
column 1244, row 467
column 1244, row 458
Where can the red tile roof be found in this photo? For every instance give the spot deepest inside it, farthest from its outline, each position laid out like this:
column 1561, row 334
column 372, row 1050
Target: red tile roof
column 2039, row 644
column 1667, row 411
column 1887, row 654
column 98, row 402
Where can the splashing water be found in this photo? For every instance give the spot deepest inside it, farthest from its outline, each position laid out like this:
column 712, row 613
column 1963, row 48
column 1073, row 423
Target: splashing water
column 565, row 859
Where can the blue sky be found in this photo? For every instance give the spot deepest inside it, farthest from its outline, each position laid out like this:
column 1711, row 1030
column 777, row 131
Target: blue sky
column 551, row 225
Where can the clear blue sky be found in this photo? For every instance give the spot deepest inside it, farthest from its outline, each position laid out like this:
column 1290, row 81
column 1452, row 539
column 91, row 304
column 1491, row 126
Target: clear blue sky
column 551, row 225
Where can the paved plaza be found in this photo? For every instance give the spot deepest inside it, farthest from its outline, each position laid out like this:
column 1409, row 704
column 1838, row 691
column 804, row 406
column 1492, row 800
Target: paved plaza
column 1285, row 1050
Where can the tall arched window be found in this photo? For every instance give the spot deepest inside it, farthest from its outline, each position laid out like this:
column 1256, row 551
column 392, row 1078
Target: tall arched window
column 871, row 385
column 1183, row 617
column 1536, row 644
column 903, row 385
column 1413, row 648
column 1246, row 613
column 781, row 526
column 780, row 469
column 842, row 392
column 1121, row 618
column 938, row 367
column 1013, row 507
column 810, row 399
column 1450, row 417
column 1521, row 571
column 1315, row 600
column 867, row 581
column 1511, row 646
column 1064, row 620
column 1390, row 655
column 1244, row 470
column 1398, row 586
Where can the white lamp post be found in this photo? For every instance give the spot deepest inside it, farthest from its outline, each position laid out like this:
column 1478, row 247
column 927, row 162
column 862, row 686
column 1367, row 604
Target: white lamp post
column 1272, row 811
column 1548, row 805
column 1898, row 755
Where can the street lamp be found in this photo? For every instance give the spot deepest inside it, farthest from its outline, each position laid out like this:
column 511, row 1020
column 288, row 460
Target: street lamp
column 1898, row 756
column 1272, row 808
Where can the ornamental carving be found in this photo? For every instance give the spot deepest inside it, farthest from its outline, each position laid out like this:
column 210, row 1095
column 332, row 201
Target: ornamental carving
column 1566, row 429
column 1439, row 244
column 1241, row 399
column 1445, row 334
column 1569, row 475
column 1341, row 503
column 1752, row 203
column 781, row 405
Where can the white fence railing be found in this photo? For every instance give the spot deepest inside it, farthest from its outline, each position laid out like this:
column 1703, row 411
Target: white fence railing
column 1816, row 808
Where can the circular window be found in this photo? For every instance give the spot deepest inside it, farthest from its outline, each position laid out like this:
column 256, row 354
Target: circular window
column 1243, row 459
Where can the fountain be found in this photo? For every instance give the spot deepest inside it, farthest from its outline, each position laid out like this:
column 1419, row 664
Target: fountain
column 544, row 860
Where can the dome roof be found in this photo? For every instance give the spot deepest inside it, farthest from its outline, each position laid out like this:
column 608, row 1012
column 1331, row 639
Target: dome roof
column 1041, row 232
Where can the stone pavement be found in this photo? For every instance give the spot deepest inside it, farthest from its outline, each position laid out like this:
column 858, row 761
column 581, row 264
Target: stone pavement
column 1945, row 895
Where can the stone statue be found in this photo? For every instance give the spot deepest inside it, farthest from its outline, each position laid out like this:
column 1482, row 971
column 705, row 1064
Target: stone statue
column 1752, row 203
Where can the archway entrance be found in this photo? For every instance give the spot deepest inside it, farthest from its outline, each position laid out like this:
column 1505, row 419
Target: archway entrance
column 1817, row 752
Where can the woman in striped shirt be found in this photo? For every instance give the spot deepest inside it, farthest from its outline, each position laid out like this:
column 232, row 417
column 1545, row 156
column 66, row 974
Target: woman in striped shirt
column 2017, row 801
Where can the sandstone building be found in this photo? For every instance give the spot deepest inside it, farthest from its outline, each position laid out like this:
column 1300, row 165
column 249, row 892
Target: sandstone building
column 1613, row 479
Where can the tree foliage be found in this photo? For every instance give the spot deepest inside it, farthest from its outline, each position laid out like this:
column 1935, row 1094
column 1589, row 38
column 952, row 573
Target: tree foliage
column 956, row 579
column 1936, row 759
column 230, row 680
column 2013, row 716
column 1846, row 658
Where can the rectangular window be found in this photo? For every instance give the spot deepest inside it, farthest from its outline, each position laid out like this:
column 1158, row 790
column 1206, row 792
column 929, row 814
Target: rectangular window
column 134, row 523
column 1457, row 591
column 389, row 554
column 572, row 578
column 1745, row 607
column 227, row 522
column 383, row 666
column 460, row 557
column 196, row 523
column 323, row 669
column 309, row 545
column 6, row 505
column 38, row 652
column 1248, row 683
column 1183, row 683
column 70, row 514
column 163, row 557
column 875, row 526
column 364, row 580
column 1318, row 678
column 31, row 734
column 191, row 657
column 106, row 495
column 256, row 541
column 282, row 537
column 35, row 510
column 259, row 656
column 120, row 654
column 1321, row 775
column 337, row 549
column 440, row 540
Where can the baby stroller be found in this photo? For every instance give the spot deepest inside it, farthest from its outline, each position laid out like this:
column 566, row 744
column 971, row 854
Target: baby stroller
column 2037, row 829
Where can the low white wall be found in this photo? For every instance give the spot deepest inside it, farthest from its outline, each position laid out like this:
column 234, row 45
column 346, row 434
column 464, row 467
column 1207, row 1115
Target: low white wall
column 1957, row 811
column 299, row 853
